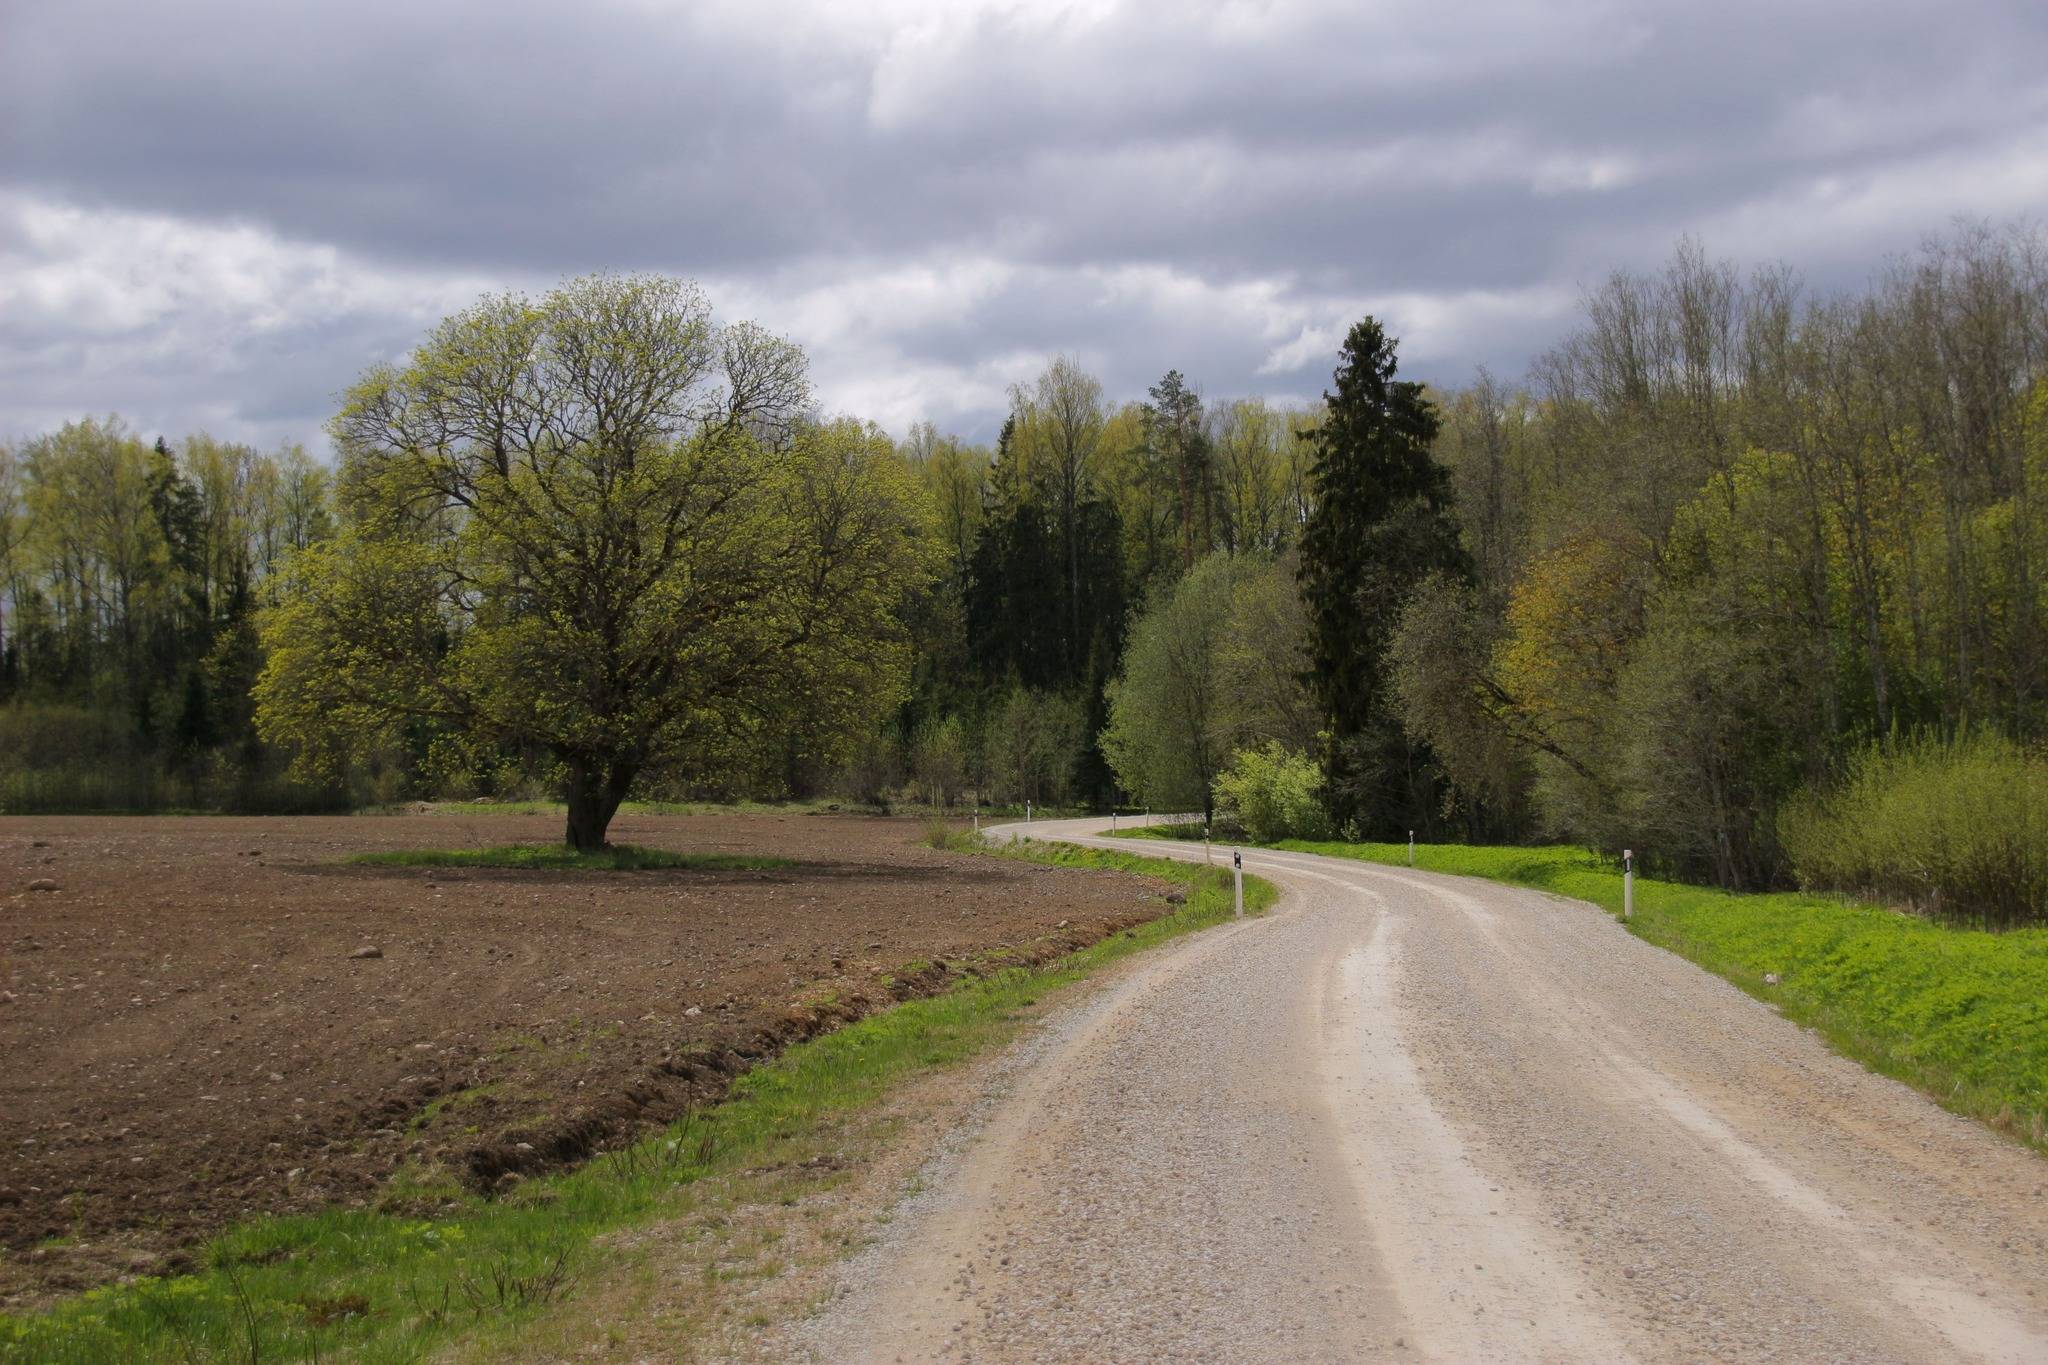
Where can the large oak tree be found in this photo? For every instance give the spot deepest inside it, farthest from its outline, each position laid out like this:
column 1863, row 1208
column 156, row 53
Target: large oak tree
column 598, row 524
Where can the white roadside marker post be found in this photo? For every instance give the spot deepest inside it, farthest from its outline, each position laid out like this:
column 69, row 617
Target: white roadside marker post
column 1237, row 867
column 977, row 817
column 1628, row 884
column 1027, row 812
column 1207, row 855
column 1411, row 848
column 1112, row 821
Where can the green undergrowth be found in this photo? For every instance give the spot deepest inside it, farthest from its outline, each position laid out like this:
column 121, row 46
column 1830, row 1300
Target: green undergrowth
column 380, row 1286
column 560, row 857
column 1960, row 1013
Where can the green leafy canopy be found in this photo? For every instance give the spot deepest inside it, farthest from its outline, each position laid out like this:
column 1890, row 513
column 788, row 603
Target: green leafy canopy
column 600, row 525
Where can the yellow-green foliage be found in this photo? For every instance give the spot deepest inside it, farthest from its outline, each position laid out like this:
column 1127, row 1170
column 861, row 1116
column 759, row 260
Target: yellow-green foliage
column 1955, row 828
column 1273, row 792
column 598, row 527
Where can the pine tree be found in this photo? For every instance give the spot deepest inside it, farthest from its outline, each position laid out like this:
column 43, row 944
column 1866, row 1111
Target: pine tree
column 1382, row 522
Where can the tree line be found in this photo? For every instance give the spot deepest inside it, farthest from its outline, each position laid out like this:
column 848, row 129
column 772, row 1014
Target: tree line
column 1728, row 537
column 1736, row 576
column 1725, row 541
column 600, row 543
column 131, row 577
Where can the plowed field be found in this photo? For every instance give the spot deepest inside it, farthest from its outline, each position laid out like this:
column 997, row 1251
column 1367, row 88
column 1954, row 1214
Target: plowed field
column 189, row 1037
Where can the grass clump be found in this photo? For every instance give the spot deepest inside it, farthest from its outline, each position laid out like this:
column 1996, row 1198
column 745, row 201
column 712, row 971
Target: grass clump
column 1956, row 829
column 1960, row 1013
column 560, row 857
column 391, row 1285
column 950, row 836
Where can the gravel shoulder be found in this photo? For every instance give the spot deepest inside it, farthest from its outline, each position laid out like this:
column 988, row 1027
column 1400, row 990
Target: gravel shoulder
column 1411, row 1117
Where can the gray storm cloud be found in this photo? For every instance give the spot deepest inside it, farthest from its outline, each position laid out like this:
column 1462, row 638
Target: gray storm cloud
column 213, row 215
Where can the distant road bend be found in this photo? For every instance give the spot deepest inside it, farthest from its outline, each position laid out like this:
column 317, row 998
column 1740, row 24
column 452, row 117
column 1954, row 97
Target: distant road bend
column 1419, row 1117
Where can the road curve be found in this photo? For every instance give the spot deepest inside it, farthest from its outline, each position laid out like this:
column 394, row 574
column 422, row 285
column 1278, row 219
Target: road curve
column 1417, row 1117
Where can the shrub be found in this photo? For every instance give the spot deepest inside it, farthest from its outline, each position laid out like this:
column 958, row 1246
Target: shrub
column 1957, row 829
column 1274, row 793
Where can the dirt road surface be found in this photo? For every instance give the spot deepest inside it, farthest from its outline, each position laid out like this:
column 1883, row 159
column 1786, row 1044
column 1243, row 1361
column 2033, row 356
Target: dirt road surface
column 1417, row 1117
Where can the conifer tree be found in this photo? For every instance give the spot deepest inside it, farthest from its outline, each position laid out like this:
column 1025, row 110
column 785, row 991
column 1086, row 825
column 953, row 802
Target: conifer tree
column 1173, row 428
column 1382, row 523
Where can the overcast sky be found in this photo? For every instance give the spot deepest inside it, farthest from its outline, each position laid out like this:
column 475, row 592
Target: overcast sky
column 213, row 215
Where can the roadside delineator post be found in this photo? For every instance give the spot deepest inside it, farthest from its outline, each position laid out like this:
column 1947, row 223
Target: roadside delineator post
column 1237, row 870
column 1027, row 812
column 1411, row 848
column 1207, row 855
column 1112, row 821
column 1628, row 884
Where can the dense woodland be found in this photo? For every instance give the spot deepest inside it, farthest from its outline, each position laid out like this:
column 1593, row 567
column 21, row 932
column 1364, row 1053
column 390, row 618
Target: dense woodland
column 1729, row 537
column 1726, row 550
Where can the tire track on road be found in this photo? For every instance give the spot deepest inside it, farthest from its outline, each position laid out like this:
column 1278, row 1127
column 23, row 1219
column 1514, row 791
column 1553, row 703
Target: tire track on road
column 1420, row 1117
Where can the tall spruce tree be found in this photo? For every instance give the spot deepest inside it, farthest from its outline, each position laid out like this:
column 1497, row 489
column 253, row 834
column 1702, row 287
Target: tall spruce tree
column 1382, row 522
column 1173, row 430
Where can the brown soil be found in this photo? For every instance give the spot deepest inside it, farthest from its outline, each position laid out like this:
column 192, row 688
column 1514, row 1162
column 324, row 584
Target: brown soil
column 189, row 1041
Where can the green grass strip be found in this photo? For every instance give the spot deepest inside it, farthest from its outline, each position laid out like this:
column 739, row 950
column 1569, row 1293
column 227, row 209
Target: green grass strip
column 374, row 1286
column 1962, row 1014
column 560, row 857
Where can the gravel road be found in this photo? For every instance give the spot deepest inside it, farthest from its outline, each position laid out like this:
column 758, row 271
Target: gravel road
column 1417, row 1117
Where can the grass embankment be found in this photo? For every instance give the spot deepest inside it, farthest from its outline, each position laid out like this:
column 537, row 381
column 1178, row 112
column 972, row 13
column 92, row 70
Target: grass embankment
column 391, row 1286
column 1960, row 1013
column 560, row 857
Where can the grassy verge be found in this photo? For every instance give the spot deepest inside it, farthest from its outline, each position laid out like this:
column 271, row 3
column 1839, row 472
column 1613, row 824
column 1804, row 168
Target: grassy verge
column 557, row 857
column 388, row 1287
column 1960, row 1013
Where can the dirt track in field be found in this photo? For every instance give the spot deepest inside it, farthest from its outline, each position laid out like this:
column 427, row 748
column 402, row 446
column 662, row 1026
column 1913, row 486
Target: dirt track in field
column 188, row 1039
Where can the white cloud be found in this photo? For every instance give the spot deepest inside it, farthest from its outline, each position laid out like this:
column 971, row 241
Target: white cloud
column 185, row 324
column 1430, row 326
column 102, row 271
column 1869, row 212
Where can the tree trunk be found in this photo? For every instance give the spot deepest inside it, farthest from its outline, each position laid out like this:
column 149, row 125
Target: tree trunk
column 595, row 791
